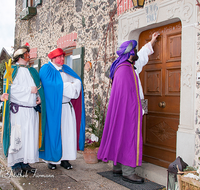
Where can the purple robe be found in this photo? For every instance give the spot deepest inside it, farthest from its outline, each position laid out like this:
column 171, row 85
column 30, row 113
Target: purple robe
column 122, row 136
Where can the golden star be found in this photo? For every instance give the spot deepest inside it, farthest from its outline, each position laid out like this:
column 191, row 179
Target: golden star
column 9, row 71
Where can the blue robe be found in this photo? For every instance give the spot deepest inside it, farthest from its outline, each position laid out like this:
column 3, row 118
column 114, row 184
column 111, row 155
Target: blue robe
column 53, row 88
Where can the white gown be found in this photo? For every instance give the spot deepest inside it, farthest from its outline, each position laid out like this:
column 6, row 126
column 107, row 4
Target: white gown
column 143, row 55
column 71, row 90
column 24, row 123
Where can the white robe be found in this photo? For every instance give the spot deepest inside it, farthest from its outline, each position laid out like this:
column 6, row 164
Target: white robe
column 143, row 59
column 26, row 120
column 71, row 90
column 143, row 55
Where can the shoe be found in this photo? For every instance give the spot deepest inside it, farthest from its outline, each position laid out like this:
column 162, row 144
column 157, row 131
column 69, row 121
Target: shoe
column 133, row 179
column 66, row 164
column 51, row 166
column 27, row 168
column 17, row 171
column 117, row 173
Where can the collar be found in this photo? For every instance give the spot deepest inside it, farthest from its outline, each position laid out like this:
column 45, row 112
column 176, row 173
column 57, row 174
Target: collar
column 25, row 66
column 132, row 64
column 56, row 67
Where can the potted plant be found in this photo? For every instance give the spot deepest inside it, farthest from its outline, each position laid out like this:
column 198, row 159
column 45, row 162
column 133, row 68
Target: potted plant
column 95, row 130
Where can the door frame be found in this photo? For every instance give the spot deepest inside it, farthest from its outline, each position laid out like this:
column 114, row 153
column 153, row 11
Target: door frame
column 131, row 24
column 157, row 149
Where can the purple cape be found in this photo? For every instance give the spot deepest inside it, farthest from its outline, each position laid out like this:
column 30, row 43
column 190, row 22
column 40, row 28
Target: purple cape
column 122, row 136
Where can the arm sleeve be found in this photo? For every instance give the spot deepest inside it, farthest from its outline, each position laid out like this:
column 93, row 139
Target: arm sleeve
column 72, row 89
column 20, row 93
column 143, row 55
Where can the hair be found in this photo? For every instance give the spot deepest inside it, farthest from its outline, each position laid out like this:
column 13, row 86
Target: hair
column 17, row 58
column 25, row 47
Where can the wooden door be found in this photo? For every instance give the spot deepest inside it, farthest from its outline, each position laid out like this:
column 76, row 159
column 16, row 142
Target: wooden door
column 160, row 79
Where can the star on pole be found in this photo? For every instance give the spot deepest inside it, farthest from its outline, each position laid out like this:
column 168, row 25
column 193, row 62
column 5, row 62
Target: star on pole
column 8, row 77
column 8, row 74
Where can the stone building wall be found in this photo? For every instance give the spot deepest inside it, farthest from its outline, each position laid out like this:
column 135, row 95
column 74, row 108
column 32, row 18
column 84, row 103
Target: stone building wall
column 56, row 18
column 91, row 20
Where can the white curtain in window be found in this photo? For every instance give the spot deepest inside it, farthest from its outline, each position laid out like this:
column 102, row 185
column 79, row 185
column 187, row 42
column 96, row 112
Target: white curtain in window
column 68, row 61
column 25, row 4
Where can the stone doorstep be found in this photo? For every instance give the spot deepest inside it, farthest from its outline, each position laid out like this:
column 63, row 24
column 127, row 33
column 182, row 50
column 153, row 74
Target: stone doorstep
column 153, row 173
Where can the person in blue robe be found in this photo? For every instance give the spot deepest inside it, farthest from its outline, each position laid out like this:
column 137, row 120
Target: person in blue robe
column 65, row 126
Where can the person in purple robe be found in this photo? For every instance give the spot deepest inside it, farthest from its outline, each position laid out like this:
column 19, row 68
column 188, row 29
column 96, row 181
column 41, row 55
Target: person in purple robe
column 122, row 136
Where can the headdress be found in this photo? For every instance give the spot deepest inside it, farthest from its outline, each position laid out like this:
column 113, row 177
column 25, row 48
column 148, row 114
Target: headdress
column 20, row 51
column 124, row 51
column 55, row 53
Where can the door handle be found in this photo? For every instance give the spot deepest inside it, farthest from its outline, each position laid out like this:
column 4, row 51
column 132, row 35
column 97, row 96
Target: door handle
column 162, row 104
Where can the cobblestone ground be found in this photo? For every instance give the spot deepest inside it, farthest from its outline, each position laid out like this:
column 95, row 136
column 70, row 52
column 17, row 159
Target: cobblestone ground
column 82, row 177
column 5, row 179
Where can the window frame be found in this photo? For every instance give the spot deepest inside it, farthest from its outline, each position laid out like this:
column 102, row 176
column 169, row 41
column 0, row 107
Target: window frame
column 69, row 51
column 27, row 3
